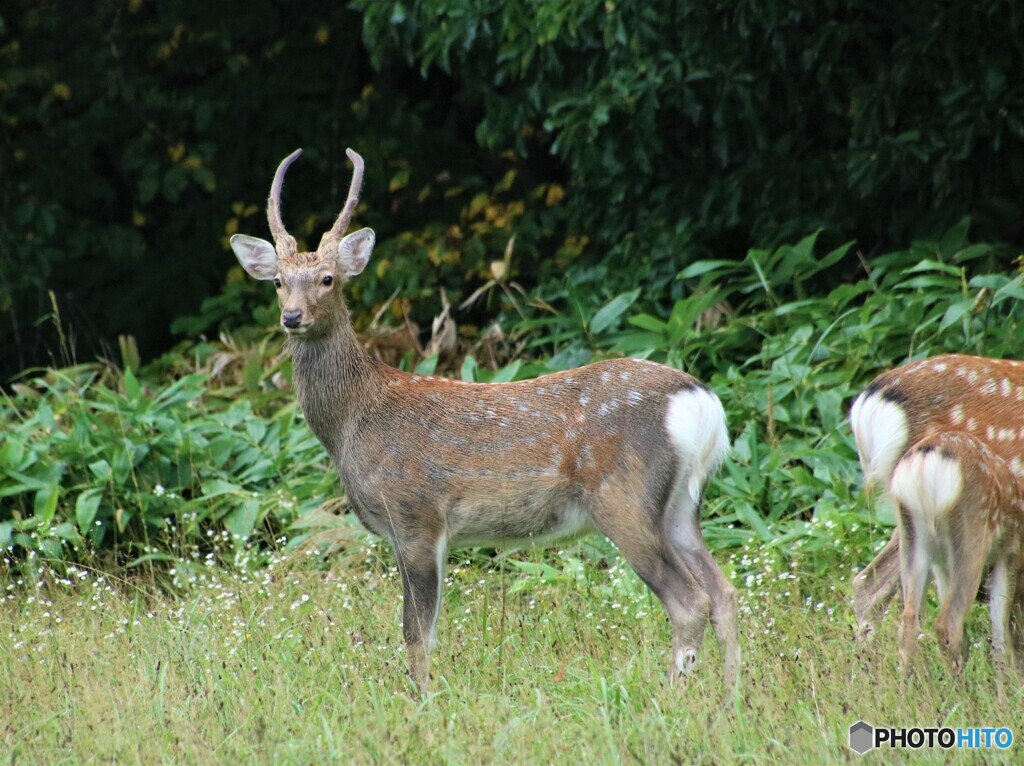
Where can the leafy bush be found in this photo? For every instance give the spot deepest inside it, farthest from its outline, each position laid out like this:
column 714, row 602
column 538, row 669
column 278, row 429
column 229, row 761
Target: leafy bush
column 94, row 460
column 90, row 464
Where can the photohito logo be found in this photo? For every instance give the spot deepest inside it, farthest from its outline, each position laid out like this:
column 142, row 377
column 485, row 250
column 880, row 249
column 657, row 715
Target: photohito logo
column 864, row 737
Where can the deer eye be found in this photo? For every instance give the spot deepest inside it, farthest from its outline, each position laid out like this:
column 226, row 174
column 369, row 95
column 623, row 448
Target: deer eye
column 328, row 279
column 277, row 282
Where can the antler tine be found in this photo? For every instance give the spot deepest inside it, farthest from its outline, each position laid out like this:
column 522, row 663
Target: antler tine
column 332, row 237
column 283, row 241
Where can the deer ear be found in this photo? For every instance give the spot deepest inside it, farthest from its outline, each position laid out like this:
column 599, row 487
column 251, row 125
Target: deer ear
column 257, row 256
column 354, row 251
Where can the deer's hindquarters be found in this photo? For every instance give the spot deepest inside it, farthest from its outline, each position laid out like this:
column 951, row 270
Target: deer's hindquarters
column 959, row 508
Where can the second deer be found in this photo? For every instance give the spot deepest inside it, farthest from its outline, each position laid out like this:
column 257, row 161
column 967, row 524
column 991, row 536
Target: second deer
column 960, row 515
column 623, row 447
column 950, row 393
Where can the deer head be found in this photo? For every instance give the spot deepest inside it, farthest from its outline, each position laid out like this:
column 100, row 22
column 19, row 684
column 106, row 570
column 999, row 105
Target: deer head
column 308, row 283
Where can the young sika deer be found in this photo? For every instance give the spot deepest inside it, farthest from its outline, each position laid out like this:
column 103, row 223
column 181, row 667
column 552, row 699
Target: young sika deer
column 961, row 512
column 622, row 446
column 943, row 394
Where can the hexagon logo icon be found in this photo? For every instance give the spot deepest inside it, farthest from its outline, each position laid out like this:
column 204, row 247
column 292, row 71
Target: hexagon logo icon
column 861, row 737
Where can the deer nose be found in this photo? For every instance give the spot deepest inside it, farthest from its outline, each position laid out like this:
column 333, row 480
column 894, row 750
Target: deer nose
column 291, row 319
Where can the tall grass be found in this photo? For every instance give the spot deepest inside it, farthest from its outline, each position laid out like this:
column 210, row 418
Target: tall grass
column 296, row 663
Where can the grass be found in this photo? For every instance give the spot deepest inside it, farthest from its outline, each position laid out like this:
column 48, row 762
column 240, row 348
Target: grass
column 301, row 662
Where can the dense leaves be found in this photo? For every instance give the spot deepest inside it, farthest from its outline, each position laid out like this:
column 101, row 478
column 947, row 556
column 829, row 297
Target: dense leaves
column 95, row 459
column 612, row 142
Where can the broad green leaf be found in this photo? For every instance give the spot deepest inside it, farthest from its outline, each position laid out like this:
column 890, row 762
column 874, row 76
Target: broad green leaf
column 132, row 389
column 615, row 308
column 86, row 505
column 427, row 366
column 241, row 521
column 45, row 505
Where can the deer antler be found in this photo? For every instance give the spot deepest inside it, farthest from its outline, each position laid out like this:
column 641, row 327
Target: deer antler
column 284, row 242
column 331, row 238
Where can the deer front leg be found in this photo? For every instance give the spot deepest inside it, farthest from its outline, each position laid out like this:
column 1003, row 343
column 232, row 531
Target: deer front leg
column 875, row 585
column 421, row 564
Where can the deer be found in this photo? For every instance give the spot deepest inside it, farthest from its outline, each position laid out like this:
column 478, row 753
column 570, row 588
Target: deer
column 960, row 516
column 623, row 447
column 950, row 393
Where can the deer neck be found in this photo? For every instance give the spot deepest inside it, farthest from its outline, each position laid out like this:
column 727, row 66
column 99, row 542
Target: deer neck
column 336, row 382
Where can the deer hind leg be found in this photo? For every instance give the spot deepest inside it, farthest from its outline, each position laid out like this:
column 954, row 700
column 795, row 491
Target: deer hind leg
column 1017, row 619
column 682, row 527
column 875, row 585
column 1001, row 596
column 626, row 523
column 915, row 567
column 965, row 563
column 421, row 564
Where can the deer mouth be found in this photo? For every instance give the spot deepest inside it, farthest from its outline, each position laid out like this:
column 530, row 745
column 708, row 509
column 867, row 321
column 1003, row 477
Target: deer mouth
column 300, row 329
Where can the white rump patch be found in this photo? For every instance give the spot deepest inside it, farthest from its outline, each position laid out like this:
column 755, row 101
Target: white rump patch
column 695, row 422
column 927, row 484
column 880, row 429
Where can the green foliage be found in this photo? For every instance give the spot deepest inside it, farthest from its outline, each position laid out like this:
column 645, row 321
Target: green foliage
column 87, row 466
column 140, row 466
column 611, row 144
column 690, row 128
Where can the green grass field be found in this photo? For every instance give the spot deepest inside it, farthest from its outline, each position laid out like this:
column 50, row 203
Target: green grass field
column 542, row 658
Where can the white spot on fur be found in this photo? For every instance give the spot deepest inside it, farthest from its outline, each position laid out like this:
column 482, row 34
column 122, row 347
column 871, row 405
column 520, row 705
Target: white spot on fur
column 927, row 485
column 989, row 387
column 972, row 424
column 880, row 429
column 623, row 376
column 1006, row 387
column 605, row 377
column 1015, row 466
column 939, row 367
column 956, row 415
column 990, row 433
column 584, row 400
column 695, row 422
column 972, row 376
column 634, row 398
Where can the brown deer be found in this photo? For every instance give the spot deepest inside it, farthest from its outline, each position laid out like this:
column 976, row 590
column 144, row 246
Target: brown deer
column 961, row 513
column 623, row 447
column 949, row 393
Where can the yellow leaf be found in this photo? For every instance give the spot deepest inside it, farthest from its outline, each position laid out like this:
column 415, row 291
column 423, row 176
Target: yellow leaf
column 62, row 91
column 506, row 183
column 176, row 152
column 323, row 34
column 478, row 203
column 231, row 227
column 399, row 180
column 138, row 219
column 555, row 195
